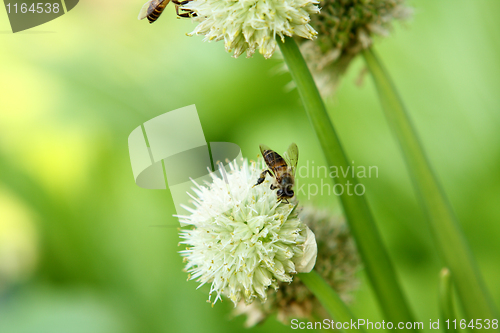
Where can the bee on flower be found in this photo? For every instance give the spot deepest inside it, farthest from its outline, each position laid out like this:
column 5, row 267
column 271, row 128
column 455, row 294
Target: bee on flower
column 242, row 241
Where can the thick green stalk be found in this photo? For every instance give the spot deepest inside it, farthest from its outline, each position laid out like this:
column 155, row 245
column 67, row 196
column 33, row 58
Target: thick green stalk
column 447, row 233
column 328, row 298
column 446, row 300
column 375, row 257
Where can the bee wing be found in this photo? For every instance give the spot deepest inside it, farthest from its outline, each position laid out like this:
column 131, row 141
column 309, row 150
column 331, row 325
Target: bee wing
column 291, row 157
column 145, row 11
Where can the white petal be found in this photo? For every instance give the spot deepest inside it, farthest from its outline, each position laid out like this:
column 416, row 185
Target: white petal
column 306, row 263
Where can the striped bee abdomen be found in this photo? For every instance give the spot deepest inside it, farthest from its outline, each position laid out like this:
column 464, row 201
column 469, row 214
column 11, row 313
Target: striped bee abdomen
column 275, row 161
column 156, row 8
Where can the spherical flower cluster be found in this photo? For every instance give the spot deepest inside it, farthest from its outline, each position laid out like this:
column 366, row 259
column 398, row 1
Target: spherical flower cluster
column 337, row 263
column 345, row 28
column 249, row 25
column 242, row 241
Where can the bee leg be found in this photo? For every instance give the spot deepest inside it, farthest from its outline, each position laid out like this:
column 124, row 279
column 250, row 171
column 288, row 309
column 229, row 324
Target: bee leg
column 263, row 177
column 273, row 187
column 186, row 13
column 281, row 199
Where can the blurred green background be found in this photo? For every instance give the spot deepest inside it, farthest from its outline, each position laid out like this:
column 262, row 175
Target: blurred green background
column 78, row 248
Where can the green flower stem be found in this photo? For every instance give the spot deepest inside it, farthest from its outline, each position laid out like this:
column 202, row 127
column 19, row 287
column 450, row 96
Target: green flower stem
column 375, row 257
column 446, row 230
column 446, row 300
column 328, row 298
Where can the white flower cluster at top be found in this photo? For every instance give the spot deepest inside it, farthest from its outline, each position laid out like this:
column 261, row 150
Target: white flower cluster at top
column 250, row 25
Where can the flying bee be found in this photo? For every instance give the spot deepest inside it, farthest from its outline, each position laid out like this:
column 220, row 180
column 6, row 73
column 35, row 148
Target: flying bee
column 153, row 9
column 282, row 169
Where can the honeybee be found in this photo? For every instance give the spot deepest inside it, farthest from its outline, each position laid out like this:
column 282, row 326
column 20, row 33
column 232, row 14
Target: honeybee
column 153, row 9
column 282, row 169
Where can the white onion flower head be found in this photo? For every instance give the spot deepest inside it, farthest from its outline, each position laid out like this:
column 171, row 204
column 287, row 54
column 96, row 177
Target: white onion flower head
column 250, row 25
column 243, row 241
